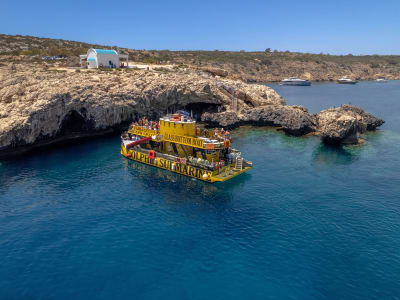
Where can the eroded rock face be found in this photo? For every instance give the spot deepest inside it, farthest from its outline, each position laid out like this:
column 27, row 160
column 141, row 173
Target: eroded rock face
column 336, row 128
column 38, row 105
column 227, row 119
column 336, row 125
column 369, row 120
column 294, row 120
column 345, row 124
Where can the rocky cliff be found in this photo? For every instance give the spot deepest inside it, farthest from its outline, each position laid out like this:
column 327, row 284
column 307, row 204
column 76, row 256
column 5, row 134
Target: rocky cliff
column 345, row 124
column 341, row 125
column 42, row 106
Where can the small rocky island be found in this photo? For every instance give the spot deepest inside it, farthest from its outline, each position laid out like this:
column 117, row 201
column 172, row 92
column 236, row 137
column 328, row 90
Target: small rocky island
column 41, row 106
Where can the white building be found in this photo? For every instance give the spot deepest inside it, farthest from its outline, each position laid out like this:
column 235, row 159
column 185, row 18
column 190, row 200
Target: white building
column 103, row 58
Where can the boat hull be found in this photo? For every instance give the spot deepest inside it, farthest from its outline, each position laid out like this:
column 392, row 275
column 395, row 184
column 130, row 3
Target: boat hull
column 347, row 82
column 305, row 83
column 226, row 173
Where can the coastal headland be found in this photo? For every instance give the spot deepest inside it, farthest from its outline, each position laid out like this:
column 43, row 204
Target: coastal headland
column 40, row 105
column 46, row 100
column 259, row 66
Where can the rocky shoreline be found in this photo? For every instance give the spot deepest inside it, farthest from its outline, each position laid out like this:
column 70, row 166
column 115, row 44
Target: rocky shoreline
column 312, row 71
column 342, row 125
column 40, row 106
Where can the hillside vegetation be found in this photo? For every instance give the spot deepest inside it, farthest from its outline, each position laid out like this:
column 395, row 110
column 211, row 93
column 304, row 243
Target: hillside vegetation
column 248, row 66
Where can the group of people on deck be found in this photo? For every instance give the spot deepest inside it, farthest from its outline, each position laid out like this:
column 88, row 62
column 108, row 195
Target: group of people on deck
column 221, row 133
column 154, row 125
column 144, row 122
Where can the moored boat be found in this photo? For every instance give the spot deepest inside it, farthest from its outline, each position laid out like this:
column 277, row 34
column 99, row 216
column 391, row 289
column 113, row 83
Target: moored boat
column 381, row 80
column 346, row 80
column 294, row 81
column 177, row 144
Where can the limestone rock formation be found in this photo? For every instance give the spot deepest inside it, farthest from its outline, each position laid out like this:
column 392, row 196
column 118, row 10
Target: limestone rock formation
column 336, row 128
column 345, row 124
column 369, row 120
column 226, row 119
column 294, row 120
column 335, row 125
column 42, row 106
column 39, row 105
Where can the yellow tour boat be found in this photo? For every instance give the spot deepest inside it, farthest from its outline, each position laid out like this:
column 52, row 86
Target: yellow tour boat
column 177, row 144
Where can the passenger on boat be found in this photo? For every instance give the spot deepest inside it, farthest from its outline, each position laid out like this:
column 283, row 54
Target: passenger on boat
column 221, row 132
column 198, row 130
column 216, row 133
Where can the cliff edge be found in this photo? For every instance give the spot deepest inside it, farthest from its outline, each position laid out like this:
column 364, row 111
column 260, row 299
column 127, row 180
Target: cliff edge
column 43, row 106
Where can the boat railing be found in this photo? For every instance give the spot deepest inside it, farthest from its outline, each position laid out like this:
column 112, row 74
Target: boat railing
column 188, row 162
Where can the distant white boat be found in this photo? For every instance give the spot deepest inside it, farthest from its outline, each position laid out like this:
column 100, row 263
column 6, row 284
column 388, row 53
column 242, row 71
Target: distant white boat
column 295, row 81
column 346, row 80
column 381, row 80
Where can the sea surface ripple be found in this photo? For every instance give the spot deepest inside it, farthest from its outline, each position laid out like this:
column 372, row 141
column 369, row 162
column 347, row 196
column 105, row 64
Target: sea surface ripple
column 308, row 222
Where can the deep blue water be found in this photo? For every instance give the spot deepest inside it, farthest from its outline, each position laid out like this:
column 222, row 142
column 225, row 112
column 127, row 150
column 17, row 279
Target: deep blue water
column 308, row 222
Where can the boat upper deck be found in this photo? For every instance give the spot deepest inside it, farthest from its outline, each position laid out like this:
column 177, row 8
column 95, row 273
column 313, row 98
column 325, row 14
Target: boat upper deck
column 181, row 129
column 202, row 142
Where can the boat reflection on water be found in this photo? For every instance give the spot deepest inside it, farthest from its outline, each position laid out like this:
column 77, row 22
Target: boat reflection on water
column 166, row 181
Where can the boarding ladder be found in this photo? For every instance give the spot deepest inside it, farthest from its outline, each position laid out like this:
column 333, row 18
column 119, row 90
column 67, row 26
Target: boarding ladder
column 239, row 163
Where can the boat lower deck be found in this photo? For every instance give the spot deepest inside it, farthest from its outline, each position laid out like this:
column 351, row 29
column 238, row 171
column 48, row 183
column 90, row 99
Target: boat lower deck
column 229, row 173
column 166, row 162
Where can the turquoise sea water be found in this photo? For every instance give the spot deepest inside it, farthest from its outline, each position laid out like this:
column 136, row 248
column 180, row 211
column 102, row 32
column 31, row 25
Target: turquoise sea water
column 308, row 222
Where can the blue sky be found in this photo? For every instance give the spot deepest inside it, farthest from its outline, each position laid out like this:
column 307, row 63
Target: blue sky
column 336, row 27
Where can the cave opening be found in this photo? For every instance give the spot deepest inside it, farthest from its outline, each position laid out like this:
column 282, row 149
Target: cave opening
column 74, row 122
column 197, row 109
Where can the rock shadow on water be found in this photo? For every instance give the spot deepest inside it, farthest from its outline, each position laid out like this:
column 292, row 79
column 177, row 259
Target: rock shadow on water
column 271, row 136
column 330, row 155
